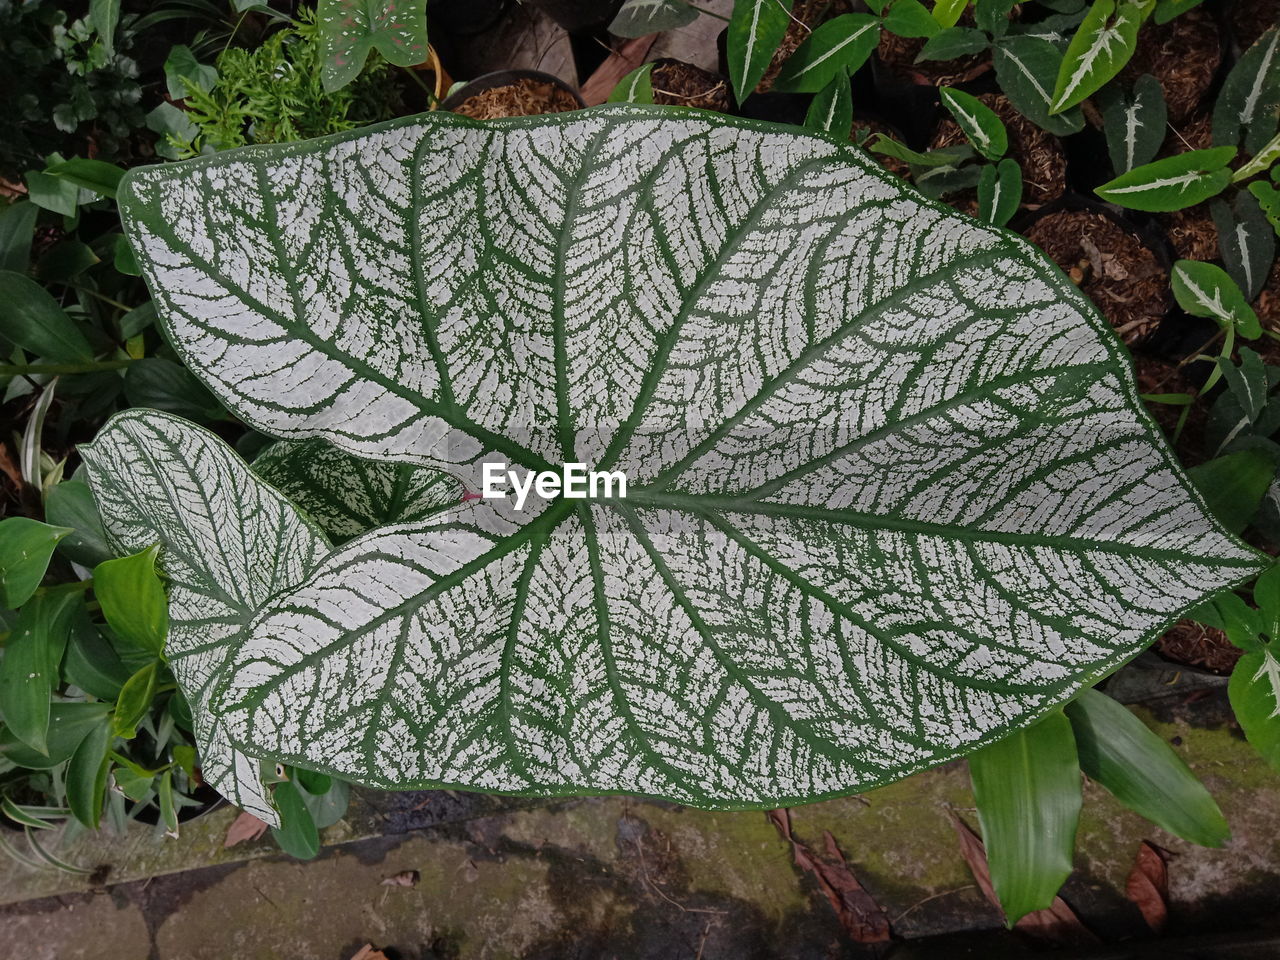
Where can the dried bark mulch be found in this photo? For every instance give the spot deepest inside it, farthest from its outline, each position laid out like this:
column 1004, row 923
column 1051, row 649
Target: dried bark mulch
column 1192, row 232
column 680, row 84
column 525, row 97
column 1250, row 19
column 1196, row 645
column 1183, row 54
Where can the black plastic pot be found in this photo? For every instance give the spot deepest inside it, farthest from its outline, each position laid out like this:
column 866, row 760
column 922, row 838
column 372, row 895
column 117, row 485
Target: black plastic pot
column 504, row 78
column 579, row 16
column 209, row 798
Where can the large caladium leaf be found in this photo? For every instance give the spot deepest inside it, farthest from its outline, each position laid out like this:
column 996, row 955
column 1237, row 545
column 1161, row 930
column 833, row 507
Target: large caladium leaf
column 890, row 491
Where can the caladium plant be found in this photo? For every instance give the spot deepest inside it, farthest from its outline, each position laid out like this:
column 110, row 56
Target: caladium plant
column 891, row 493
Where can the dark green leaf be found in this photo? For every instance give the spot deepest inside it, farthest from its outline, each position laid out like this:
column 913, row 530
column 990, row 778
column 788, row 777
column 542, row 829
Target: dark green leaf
column 1134, row 124
column 1166, row 10
column 133, row 599
column 639, row 18
column 756, row 27
column 134, row 701
column 1124, row 755
column 183, row 73
column 1027, row 788
column 68, row 724
column 29, row 670
column 53, row 193
column 981, row 125
column 835, row 49
column 312, row 782
column 992, row 16
column 96, row 175
column 32, row 319
column 1246, row 242
column 1025, row 69
column 831, row 110
column 328, row 806
column 952, row 43
column 168, row 811
column 65, row 261
column 1232, row 485
column 87, row 775
column 1250, row 97
column 1000, row 191
column 1205, row 290
column 165, row 385
column 134, row 781
column 910, row 18
column 349, row 29
column 297, row 834
column 70, row 505
column 25, row 548
column 123, row 258
column 17, row 227
column 92, row 664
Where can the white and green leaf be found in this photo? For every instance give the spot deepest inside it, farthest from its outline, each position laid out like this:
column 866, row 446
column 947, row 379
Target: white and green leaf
column 891, row 492
column 351, row 29
column 836, row 48
column 1134, row 124
column 831, row 110
column 1248, row 107
column 639, row 18
column 1103, row 43
column 635, row 87
column 980, row 124
column 1000, row 191
column 1206, row 290
column 1254, row 690
column 756, row 28
column 1026, row 68
column 1172, row 183
column 1246, row 242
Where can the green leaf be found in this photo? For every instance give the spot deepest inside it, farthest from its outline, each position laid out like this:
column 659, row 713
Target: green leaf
column 137, row 320
column 65, row 261
column 52, row 193
column 328, row 806
column 349, row 29
column 133, row 599
column 756, row 27
column 835, row 49
column 1166, row 10
column 639, row 18
column 1102, row 45
column 1254, row 690
column 141, row 468
column 1205, row 290
column 122, row 259
column 910, row 18
column 134, row 781
column 1000, row 191
column 1246, row 241
column 952, row 43
column 29, row 669
column 1135, row 124
column 947, row 12
column 992, row 16
column 17, row 227
column 98, row 176
column 104, row 15
column 635, row 87
column 1249, row 102
column 165, row 385
column 1176, row 182
column 33, row 320
column 1025, row 69
column 1233, row 485
column 831, row 110
column 346, row 496
column 830, row 498
column 1262, row 161
column 939, row 157
column 1268, row 198
column 25, row 548
column 1027, row 789
column 1124, row 755
column 184, row 74
column 297, row 834
column 980, row 124
column 87, row 772
column 68, row 725
column 168, row 810
column 92, row 664
column 70, row 505
column 134, row 701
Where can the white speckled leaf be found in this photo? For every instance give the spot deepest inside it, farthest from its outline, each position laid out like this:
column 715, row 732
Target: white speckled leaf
column 228, row 544
column 891, row 491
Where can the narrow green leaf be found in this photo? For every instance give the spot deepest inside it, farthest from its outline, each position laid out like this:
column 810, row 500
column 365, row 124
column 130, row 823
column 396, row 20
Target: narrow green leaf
column 87, row 772
column 29, row 669
column 947, row 12
column 25, row 548
column 635, row 87
column 1250, row 98
column 17, row 228
column 65, row 261
column 1134, row 124
column 18, row 815
column 979, row 122
column 952, row 43
column 32, row 319
column 837, row 48
column 297, row 834
column 1246, row 242
column 831, row 110
column 168, row 810
column 1233, row 485
column 96, row 175
column 184, row 756
column 164, row 385
column 104, row 15
column 1102, row 45
column 349, row 29
column 639, row 18
column 940, row 157
column 1025, row 69
column 1027, row 788
column 1260, row 162
column 1254, row 691
column 1142, row 771
column 314, row 783
column 134, row 701
column 123, row 260
column 1206, row 290
column 184, row 74
column 756, row 27
column 910, row 18
column 1172, row 183
column 1000, row 191
column 68, row 725
column 328, row 806
column 133, row 599
column 137, row 320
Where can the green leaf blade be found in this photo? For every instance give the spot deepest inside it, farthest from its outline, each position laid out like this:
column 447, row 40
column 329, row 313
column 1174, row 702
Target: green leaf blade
column 133, row 600
column 835, row 49
column 350, row 29
column 1173, row 183
column 980, row 124
column 1101, row 46
column 33, row 320
column 756, row 28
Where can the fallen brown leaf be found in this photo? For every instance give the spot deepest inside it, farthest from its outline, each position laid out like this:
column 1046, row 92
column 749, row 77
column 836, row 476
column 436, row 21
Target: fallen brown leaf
column 244, row 827
column 1058, row 924
column 858, row 912
column 1148, row 885
column 614, row 67
column 368, row 953
column 405, row 878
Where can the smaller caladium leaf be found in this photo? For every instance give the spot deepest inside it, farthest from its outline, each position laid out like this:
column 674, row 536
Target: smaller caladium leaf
column 1268, row 198
column 635, row 87
column 346, row 496
column 832, row 109
column 1254, row 691
column 1000, row 191
column 1166, row 10
column 837, row 48
column 756, row 27
column 1102, row 45
column 349, row 29
column 639, row 18
column 1025, row 69
column 979, row 122
column 1260, row 162
column 910, row 18
column 1250, row 97
column 947, row 12
column 228, row 543
column 1134, row 124
column 1246, row 242
column 939, row 157
column 992, row 16
column 1205, row 290
column 1173, row 183
column 952, row 43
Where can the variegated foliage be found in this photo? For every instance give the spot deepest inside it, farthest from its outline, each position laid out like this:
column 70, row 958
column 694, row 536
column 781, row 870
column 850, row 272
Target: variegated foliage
column 891, row 491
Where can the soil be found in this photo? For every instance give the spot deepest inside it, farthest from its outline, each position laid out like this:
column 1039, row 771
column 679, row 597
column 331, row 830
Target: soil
column 1112, row 266
column 1267, row 306
column 1196, row 645
column 1250, row 19
column 1192, row 232
column 1183, row 54
column 805, row 15
column 1040, row 154
column 869, row 127
column 899, row 54
column 524, row 98
column 680, row 84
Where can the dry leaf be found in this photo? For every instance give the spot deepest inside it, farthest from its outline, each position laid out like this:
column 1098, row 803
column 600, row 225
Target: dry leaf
column 245, row 827
column 615, row 66
column 1058, row 924
column 1148, row 885
column 368, row 953
column 857, row 911
column 405, row 878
